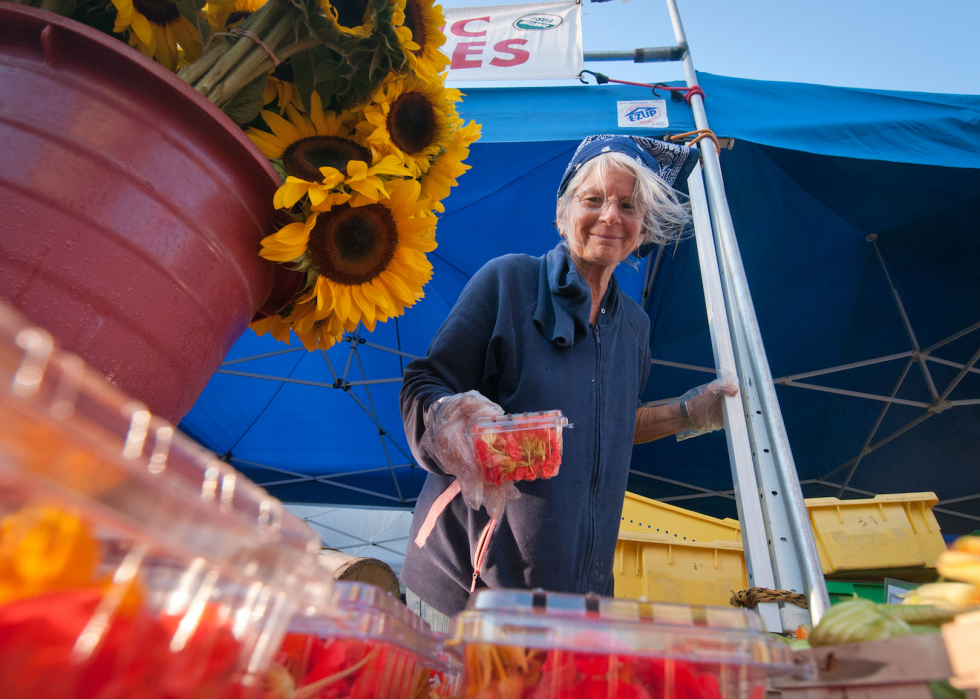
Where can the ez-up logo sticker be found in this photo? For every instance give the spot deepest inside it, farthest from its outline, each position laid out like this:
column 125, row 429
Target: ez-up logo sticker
column 537, row 22
column 649, row 114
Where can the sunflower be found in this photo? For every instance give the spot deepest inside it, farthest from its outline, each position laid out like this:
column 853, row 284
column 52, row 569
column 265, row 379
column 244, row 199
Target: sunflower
column 369, row 258
column 158, row 30
column 352, row 17
column 411, row 118
column 301, row 145
column 223, row 16
column 418, row 25
column 448, row 165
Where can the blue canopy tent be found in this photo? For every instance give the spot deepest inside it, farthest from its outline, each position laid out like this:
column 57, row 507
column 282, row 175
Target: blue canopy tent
column 856, row 213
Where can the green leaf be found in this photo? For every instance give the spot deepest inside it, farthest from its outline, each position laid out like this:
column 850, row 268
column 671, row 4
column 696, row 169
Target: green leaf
column 247, row 104
column 304, row 70
column 65, row 8
column 96, row 14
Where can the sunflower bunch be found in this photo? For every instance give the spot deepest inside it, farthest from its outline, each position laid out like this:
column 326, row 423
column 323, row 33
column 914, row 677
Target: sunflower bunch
column 362, row 226
column 347, row 99
column 363, row 178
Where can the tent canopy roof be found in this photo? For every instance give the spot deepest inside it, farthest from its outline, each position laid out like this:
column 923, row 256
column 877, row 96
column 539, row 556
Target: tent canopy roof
column 829, row 188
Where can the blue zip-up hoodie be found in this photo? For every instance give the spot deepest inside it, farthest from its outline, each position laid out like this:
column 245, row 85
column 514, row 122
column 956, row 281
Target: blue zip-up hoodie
column 520, row 335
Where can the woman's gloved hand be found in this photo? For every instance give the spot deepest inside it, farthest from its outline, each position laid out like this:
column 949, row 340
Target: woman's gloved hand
column 702, row 406
column 446, row 424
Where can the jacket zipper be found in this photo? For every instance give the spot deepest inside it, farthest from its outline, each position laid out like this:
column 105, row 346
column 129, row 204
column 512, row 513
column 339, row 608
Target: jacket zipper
column 598, row 452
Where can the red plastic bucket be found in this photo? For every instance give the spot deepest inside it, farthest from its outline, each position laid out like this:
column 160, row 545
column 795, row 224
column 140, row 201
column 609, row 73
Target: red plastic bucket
column 131, row 209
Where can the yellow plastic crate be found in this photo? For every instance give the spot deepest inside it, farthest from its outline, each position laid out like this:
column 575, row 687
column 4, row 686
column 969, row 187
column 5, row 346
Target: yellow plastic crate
column 664, row 569
column 646, row 516
column 894, row 534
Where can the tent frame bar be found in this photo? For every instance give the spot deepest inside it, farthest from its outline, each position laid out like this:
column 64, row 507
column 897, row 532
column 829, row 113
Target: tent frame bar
column 653, row 54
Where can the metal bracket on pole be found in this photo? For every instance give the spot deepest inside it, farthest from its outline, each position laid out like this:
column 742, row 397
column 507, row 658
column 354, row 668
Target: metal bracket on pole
column 758, row 566
column 785, row 513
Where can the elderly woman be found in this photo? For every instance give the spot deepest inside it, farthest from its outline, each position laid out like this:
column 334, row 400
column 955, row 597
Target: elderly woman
column 544, row 333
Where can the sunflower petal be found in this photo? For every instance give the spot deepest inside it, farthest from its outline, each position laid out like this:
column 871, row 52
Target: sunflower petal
column 290, row 192
column 342, row 302
column 356, row 170
column 324, row 294
column 376, row 296
column 281, row 127
column 361, row 301
column 390, row 165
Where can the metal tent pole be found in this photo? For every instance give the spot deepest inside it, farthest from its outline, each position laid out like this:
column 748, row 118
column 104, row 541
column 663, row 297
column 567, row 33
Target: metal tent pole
column 742, row 315
column 758, row 566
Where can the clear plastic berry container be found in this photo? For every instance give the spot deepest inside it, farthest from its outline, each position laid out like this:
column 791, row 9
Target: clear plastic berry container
column 557, row 646
column 440, row 677
column 132, row 562
column 368, row 646
column 519, row 446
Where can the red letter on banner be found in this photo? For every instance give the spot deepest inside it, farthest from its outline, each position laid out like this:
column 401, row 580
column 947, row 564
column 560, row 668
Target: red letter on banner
column 461, row 55
column 519, row 55
column 459, row 28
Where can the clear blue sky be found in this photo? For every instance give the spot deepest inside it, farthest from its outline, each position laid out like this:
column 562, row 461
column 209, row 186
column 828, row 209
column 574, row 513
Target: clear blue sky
column 883, row 44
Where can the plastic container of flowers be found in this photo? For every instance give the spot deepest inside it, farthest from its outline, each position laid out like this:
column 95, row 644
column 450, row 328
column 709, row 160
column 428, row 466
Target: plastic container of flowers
column 130, row 564
column 557, row 646
column 368, row 646
column 518, row 447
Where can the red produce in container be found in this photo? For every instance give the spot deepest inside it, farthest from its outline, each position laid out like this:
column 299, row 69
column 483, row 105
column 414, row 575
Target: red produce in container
column 369, row 646
column 133, row 564
column 532, row 645
column 518, row 447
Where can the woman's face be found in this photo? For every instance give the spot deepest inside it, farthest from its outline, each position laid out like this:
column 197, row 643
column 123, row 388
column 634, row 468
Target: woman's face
column 604, row 238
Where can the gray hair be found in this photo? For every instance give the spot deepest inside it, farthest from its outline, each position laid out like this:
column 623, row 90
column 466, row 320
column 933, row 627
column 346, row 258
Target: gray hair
column 666, row 215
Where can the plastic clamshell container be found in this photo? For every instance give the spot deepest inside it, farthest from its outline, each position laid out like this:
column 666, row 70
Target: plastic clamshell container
column 573, row 646
column 895, row 535
column 646, row 516
column 518, row 446
column 367, row 646
column 440, row 677
column 664, row 569
column 131, row 562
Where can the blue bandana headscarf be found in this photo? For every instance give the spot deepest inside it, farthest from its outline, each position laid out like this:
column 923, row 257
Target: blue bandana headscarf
column 672, row 163
column 669, row 161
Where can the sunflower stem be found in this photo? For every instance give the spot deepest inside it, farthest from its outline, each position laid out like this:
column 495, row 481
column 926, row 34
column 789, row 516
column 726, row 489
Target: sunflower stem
column 240, row 48
column 299, row 46
column 251, row 66
column 190, row 74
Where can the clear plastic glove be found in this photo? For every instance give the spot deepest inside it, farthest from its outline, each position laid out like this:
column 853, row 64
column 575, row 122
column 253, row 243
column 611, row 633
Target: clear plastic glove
column 704, row 406
column 447, row 441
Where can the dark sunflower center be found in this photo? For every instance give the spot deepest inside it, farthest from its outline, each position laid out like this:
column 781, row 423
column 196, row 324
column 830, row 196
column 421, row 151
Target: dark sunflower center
column 413, row 20
column 350, row 13
column 305, row 157
column 160, row 12
column 412, row 122
column 236, row 18
column 353, row 245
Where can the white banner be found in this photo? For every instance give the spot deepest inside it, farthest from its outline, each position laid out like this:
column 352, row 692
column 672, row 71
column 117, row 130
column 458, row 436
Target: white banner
column 534, row 41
